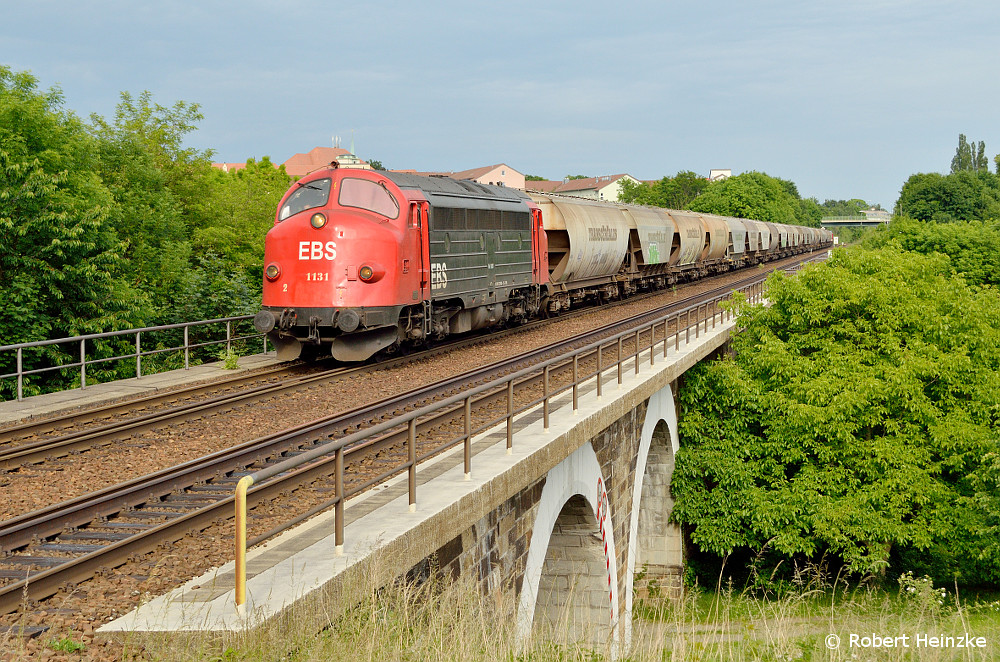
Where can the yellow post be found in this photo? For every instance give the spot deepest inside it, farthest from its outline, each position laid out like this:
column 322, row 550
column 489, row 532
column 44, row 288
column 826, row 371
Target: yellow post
column 241, row 539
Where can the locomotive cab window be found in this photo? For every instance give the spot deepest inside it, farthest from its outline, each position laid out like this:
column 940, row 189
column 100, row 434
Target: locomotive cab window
column 368, row 195
column 307, row 196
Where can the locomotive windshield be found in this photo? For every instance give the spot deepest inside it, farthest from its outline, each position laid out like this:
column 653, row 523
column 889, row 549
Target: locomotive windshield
column 307, row 196
column 366, row 194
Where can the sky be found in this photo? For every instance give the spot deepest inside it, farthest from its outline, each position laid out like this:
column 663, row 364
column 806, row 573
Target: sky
column 846, row 98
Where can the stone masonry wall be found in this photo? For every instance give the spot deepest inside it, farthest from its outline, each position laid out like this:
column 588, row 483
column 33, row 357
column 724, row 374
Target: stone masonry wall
column 495, row 547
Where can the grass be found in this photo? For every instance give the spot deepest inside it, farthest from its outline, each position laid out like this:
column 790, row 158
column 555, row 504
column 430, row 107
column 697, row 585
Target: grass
column 430, row 621
column 814, row 620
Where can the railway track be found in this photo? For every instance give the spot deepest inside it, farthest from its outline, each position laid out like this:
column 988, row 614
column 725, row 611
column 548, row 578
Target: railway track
column 58, row 424
column 35, row 442
column 67, row 543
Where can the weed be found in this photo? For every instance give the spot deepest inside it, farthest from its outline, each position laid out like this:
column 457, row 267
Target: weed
column 66, row 645
column 230, row 360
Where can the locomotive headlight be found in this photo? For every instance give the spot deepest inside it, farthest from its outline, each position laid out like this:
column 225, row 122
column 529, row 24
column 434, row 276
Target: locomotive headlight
column 272, row 272
column 371, row 272
column 317, row 220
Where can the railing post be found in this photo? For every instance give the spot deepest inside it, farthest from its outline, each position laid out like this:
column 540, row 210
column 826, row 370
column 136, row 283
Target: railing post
column 83, row 363
column 620, row 359
column 576, row 366
column 338, row 510
column 241, row 539
column 229, row 336
column 687, row 326
column 545, row 398
column 600, row 369
column 637, row 351
column 20, row 374
column 510, row 416
column 187, row 348
column 697, row 321
column 677, row 332
column 411, row 441
column 468, row 437
column 138, row 355
column 652, row 343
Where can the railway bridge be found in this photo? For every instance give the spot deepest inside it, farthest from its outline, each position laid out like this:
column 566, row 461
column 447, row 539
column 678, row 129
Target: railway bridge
column 561, row 513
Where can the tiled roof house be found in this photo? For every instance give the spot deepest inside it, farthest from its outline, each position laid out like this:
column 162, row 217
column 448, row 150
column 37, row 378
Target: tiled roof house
column 605, row 187
column 500, row 174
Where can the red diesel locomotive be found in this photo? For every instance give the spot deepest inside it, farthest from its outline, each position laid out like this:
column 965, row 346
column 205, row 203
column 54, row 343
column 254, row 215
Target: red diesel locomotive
column 361, row 261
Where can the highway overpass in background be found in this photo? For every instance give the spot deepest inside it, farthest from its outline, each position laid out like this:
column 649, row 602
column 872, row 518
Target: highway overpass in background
column 868, row 219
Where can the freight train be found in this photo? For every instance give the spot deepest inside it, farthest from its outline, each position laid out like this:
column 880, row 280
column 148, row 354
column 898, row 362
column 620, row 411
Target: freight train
column 360, row 262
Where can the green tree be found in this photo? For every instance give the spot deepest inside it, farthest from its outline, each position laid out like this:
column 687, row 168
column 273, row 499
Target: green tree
column 160, row 131
column 808, row 212
column 852, row 207
column 146, row 213
column 241, row 211
column 167, row 198
column 60, row 258
column 963, row 196
column 973, row 248
column 856, row 420
column 969, row 156
column 963, row 156
column 675, row 192
column 749, row 195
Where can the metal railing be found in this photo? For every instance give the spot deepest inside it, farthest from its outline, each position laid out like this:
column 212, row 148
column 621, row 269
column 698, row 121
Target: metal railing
column 855, row 220
column 137, row 354
column 404, row 428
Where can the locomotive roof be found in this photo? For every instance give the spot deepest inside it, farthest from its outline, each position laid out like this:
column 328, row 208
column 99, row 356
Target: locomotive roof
column 448, row 192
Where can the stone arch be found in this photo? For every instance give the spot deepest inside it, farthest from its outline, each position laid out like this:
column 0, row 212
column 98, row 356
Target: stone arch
column 650, row 539
column 573, row 510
